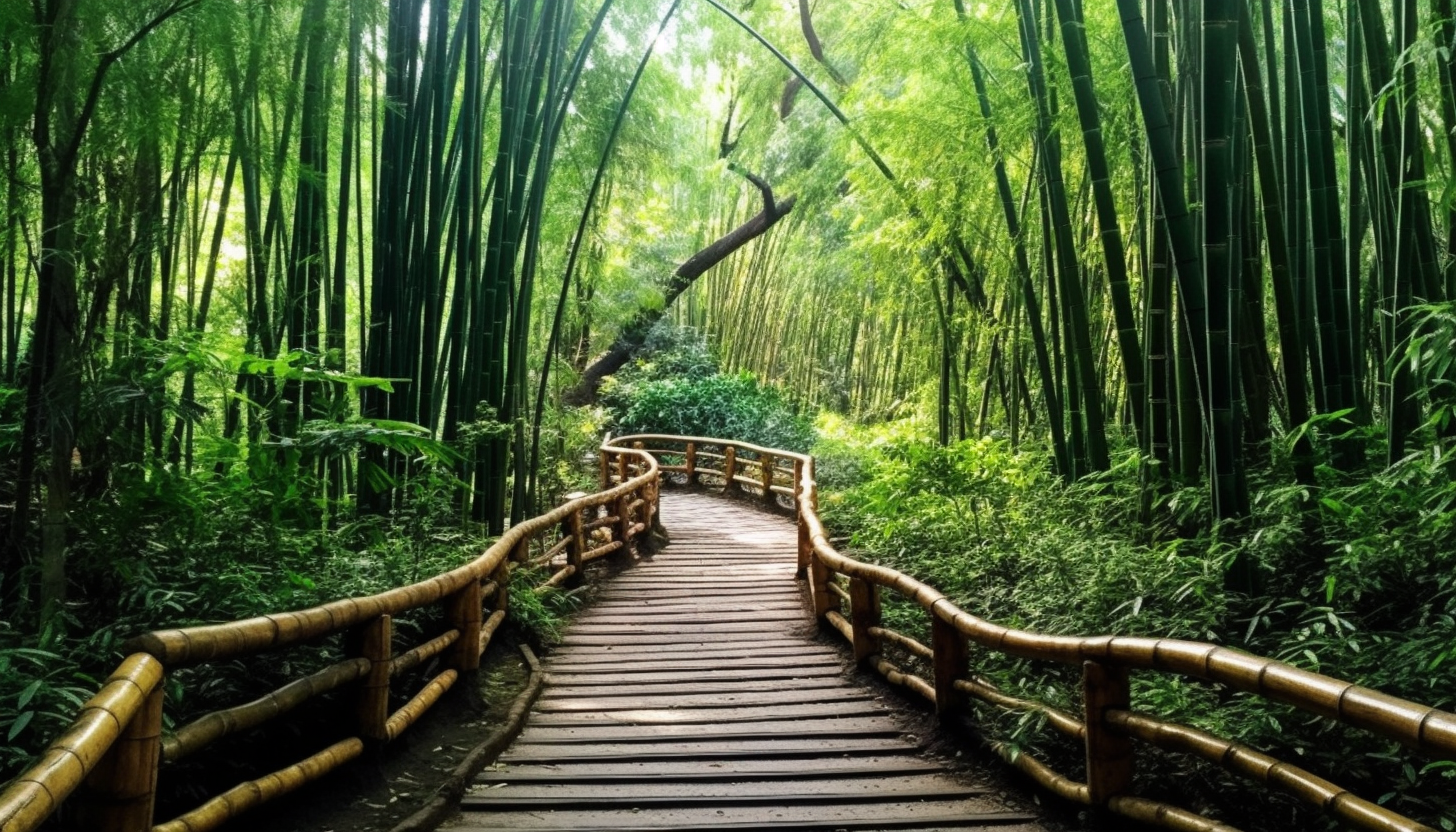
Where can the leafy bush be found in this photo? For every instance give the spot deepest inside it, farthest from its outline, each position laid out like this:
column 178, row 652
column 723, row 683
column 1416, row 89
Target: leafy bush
column 1359, row 583
column 675, row 388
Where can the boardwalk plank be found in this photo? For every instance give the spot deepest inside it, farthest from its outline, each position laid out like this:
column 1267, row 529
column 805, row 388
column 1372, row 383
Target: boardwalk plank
column 694, row 695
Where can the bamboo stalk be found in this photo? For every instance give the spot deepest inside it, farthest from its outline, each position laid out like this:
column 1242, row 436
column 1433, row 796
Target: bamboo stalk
column 1249, row 762
column 601, row 551
column 411, row 711
column 489, row 627
column 372, row 706
column 423, row 653
column 206, row 729
column 895, row 676
column 905, row 642
column 1060, row 720
column 241, row 798
column 837, row 620
column 37, row 793
column 462, row 612
column 560, row 577
column 1062, row 787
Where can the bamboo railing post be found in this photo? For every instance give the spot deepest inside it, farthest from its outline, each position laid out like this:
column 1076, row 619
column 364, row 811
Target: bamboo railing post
column 690, row 462
column 798, row 486
column 1109, row 754
column 766, row 476
column 819, row 577
column 372, row 709
column 624, row 522
column 806, row 550
column 575, row 549
column 521, row 552
column 462, row 613
column 647, row 545
column 622, row 473
column 864, row 613
column 120, row 795
column 730, row 469
column 502, row 578
column 952, row 659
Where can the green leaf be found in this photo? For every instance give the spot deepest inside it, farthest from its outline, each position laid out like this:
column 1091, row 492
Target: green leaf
column 19, row 725
column 28, row 694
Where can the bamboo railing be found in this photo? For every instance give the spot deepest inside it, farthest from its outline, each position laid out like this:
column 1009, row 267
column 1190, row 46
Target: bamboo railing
column 105, row 768
column 1108, row 726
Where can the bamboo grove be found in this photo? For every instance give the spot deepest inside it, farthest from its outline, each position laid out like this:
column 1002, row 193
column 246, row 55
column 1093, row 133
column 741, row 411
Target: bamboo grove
column 1217, row 232
column 299, row 237
column 346, row 238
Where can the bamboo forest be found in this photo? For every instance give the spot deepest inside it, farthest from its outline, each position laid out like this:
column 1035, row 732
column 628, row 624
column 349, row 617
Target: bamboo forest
column 1120, row 321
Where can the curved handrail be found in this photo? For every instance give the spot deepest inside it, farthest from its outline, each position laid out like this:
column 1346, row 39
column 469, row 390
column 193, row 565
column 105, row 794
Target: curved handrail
column 115, row 745
column 1108, row 725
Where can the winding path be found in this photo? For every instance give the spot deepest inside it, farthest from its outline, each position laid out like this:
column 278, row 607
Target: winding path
column 692, row 694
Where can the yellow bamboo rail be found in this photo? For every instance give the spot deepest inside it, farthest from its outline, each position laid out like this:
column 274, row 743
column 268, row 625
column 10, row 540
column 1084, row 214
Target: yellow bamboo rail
column 111, row 754
column 1107, row 727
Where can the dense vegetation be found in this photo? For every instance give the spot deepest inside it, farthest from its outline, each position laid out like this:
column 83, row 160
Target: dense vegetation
column 1143, row 310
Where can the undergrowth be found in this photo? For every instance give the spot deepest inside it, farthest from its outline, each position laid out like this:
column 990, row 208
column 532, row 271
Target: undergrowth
column 161, row 549
column 1357, row 583
column 675, row 387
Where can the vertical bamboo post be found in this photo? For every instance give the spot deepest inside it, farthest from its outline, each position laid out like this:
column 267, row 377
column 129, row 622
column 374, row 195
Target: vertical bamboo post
column 766, row 476
column 690, row 462
column 819, row 577
column 372, row 707
column 806, row 548
column 462, row 612
column 575, row 548
column 951, row 663
column 1109, row 754
column 502, row 578
column 864, row 613
column 521, row 552
column 730, row 468
column 622, row 473
column 121, row 792
column 798, row 484
column 649, row 513
column 624, row 521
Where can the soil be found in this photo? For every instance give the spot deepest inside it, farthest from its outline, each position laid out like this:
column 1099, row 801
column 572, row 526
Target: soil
column 376, row 795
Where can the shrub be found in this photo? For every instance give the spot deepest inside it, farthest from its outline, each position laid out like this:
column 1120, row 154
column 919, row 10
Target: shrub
column 675, row 387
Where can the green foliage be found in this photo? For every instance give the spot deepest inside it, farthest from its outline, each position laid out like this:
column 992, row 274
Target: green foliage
column 676, row 389
column 1359, row 584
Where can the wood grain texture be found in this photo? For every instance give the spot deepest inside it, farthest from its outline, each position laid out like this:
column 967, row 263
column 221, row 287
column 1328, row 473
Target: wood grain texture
column 693, row 695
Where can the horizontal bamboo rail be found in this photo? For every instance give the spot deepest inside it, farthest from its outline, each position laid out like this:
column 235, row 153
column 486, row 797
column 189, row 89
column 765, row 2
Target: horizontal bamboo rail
column 1107, row 726
column 111, row 756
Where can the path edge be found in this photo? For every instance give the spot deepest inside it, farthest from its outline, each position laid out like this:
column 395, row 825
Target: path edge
column 448, row 796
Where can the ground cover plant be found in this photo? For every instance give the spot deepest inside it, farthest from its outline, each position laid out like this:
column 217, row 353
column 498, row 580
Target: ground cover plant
column 1356, row 584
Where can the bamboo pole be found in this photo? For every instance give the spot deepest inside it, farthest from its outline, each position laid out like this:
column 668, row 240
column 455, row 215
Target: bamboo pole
column 37, row 793
column 121, row 793
column 575, row 549
column 766, row 476
column 1109, row 754
column 203, row 731
column 372, row 706
column 951, row 662
column 462, row 614
column 239, row 799
column 864, row 616
column 690, row 462
column 730, row 469
column 411, row 711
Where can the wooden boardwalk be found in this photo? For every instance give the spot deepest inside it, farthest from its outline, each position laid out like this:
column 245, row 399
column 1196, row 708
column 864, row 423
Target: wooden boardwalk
column 693, row 695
